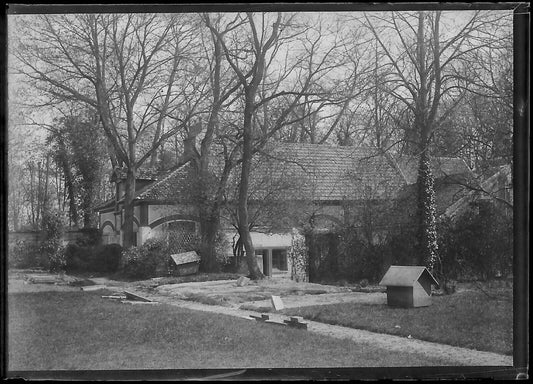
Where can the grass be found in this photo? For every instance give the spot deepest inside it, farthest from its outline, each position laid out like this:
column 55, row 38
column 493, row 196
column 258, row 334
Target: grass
column 468, row 319
column 80, row 330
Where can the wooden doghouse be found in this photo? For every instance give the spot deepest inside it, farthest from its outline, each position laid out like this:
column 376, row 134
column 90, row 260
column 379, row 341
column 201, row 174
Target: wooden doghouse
column 186, row 263
column 408, row 286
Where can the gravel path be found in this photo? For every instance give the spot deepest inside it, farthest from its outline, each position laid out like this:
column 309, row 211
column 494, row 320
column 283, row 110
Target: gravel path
column 461, row 356
column 296, row 301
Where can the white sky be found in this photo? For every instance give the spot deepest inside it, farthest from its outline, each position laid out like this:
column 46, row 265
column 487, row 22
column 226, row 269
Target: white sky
column 450, row 19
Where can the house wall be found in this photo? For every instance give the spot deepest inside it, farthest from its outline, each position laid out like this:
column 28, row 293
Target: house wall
column 108, row 221
column 109, row 224
column 157, row 212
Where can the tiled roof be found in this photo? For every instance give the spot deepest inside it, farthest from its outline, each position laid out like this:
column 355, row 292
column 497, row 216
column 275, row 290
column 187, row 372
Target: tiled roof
column 296, row 171
column 320, row 172
column 142, row 173
column 106, row 204
column 173, row 187
column 441, row 167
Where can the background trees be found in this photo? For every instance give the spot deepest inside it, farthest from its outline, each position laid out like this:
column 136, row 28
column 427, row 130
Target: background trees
column 125, row 68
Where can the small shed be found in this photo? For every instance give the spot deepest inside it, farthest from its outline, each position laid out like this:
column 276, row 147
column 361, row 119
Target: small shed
column 185, row 263
column 408, row 286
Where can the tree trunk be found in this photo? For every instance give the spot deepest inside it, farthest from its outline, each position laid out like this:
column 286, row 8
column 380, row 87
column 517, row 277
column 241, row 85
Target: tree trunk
column 69, row 179
column 127, row 227
column 209, row 225
column 242, row 208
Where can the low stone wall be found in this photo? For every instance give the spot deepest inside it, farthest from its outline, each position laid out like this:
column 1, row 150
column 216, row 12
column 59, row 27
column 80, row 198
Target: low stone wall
column 36, row 237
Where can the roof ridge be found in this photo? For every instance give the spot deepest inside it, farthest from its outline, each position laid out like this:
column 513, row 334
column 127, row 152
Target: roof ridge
column 325, row 145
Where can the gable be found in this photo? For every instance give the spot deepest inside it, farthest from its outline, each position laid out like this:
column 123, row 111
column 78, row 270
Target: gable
column 407, row 276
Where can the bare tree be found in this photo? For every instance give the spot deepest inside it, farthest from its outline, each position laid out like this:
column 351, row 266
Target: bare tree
column 126, row 68
column 279, row 65
column 250, row 83
column 430, row 71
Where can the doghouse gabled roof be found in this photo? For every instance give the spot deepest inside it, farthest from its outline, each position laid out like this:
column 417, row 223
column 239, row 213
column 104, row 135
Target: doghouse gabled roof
column 184, row 258
column 406, row 276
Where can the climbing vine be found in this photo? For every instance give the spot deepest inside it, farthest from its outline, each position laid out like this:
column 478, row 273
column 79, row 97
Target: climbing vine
column 298, row 255
column 426, row 211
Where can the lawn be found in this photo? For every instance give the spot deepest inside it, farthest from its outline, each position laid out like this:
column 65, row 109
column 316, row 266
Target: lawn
column 469, row 319
column 81, row 330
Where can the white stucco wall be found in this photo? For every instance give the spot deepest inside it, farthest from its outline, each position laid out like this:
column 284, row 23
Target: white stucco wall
column 156, row 212
column 107, row 216
column 137, row 212
column 271, row 240
column 265, row 241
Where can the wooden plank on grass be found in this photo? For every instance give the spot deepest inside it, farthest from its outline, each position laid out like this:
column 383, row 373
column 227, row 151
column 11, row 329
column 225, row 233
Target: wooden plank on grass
column 93, row 287
column 43, row 279
column 276, row 322
column 295, row 324
column 133, row 302
column 133, row 297
column 277, row 303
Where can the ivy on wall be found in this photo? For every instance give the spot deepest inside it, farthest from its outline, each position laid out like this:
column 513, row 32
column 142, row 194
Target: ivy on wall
column 299, row 258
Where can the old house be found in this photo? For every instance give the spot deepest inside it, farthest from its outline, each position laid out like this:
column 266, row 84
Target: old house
column 496, row 188
column 292, row 184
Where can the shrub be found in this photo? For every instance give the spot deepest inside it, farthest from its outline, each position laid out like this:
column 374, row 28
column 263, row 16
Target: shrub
column 343, row 254
column 479, row 245
column 139, row 262
column 56, row 256
column 100, row 258
column 90, row 237
column 222, row 244
column 27, row 255
column 360, row 259
column 52, row 246
column 151, row 259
